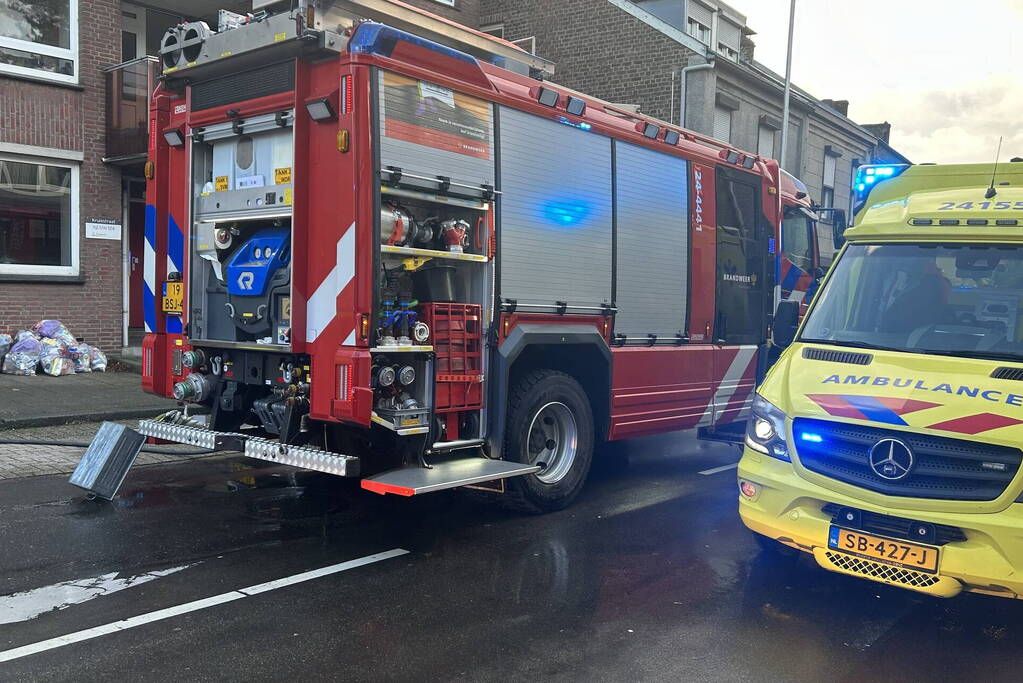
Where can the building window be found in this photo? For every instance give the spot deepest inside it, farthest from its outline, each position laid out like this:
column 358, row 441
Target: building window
column 698, row 31
column 828, row 184
column 39, row 38
column 699, row 19
column 765, row 141
column 38, row 217
column 729, row 39
column 723, row 123
column 496, row 30
column 449, row 3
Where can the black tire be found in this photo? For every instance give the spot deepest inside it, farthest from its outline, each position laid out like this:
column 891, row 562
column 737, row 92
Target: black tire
column 549, row 489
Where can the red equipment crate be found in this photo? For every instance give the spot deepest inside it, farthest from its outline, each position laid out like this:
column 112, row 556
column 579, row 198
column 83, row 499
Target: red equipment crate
column 457, row 334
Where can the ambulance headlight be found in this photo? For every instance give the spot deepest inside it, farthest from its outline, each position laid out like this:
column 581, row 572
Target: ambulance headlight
column 765, row 432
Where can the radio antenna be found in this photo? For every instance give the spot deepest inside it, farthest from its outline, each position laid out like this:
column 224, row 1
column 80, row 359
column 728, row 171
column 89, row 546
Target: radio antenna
column 991, row 191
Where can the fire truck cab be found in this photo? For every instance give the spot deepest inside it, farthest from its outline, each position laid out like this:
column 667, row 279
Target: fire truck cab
column 384, row 245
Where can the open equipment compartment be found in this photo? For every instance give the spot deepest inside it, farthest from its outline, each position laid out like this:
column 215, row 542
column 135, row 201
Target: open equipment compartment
column 240, row 265
column 434, row 297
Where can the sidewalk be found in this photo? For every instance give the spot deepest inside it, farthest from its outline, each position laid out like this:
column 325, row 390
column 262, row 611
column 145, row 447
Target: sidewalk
column 41, row 400
column 30, row 460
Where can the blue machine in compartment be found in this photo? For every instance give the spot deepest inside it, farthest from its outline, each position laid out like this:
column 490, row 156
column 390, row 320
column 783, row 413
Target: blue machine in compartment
column 253, row 265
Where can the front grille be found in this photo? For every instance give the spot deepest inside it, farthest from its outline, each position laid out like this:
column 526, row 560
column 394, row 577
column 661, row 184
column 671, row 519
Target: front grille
column 1015, row 374
column 895, row 527
column 944, row 469
column 851, row 357
column 879, row 570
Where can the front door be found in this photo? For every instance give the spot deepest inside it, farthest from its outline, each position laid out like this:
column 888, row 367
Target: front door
column 742, row 294
column 136, row 245
column 742, row 260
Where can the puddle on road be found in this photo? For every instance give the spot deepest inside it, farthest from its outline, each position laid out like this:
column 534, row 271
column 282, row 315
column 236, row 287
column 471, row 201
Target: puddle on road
column 30, row 604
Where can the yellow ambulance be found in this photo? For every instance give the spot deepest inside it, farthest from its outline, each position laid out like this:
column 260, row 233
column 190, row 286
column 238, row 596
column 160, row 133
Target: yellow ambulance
column 887, row 441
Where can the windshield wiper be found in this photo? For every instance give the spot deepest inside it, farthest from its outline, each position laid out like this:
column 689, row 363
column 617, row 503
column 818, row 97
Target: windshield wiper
column 851, row 344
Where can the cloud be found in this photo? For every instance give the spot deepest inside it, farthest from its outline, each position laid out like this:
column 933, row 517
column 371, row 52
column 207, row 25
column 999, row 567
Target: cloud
column 949, row 88
column 957, row 124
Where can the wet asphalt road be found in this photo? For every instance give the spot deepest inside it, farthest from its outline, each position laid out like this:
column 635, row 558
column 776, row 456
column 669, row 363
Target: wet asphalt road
column 649, row 576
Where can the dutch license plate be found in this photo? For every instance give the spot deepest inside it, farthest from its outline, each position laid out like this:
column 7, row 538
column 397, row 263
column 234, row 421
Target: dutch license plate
column 921, row 558
column 173, row 298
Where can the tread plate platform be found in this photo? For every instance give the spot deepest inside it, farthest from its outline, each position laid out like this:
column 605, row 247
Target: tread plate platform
column 412, row 481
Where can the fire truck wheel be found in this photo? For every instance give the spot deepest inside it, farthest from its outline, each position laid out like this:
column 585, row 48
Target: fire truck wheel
column 549, row 424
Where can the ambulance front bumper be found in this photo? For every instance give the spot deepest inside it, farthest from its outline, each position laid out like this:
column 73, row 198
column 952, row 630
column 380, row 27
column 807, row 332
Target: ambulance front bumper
column 789, row 509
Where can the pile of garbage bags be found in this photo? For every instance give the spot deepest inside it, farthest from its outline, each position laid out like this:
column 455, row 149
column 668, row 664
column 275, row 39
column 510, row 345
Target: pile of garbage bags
column 51, row 348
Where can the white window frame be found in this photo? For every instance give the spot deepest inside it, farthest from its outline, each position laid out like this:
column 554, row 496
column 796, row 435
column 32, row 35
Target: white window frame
column 493, row 30
column 695, row 28
column 764, row 133
column 828, row 183
column 449, row 3
column 74, row 269
column 70, row 53
column 731, row 120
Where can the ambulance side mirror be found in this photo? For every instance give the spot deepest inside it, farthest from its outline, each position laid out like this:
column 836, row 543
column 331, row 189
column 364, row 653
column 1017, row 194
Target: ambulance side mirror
column 838, row 226
column 786, row 322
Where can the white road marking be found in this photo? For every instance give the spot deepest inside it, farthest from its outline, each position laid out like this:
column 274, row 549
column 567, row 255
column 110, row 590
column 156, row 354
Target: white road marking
column 31, row 603
column 142, row 619
column 723, row 468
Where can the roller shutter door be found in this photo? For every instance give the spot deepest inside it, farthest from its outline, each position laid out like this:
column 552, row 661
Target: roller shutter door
column 653, row 242
column 555, row 229
column 429, row 130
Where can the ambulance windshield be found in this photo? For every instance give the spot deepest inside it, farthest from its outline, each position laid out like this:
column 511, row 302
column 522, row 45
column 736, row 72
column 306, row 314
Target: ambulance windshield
column 949, row 299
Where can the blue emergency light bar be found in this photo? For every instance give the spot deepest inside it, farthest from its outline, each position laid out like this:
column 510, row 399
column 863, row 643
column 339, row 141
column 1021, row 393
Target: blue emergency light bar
column 869, row 176
column 377, row 39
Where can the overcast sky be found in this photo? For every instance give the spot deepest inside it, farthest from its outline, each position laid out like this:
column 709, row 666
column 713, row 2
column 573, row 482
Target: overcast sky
column 950, row 81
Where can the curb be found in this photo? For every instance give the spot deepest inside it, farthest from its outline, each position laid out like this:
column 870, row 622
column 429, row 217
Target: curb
column 56, row 420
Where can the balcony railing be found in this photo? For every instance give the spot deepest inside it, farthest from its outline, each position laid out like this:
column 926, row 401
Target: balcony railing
column 129, row 87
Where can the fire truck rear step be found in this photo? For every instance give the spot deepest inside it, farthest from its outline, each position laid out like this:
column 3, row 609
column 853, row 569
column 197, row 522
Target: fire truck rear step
column 413, row 481
column 253, row 447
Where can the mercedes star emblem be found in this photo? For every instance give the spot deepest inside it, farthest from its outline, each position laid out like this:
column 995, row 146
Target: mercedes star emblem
column 891, row 459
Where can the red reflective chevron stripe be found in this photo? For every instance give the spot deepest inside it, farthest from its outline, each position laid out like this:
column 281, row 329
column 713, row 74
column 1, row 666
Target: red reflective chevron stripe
column 904, row 406
column 976, row 424
column 835, row 405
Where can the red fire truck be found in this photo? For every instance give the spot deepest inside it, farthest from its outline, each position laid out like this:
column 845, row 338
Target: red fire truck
column 384, row 245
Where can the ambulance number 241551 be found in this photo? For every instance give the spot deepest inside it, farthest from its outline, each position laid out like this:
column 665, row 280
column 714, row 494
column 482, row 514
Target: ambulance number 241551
column 984, row 206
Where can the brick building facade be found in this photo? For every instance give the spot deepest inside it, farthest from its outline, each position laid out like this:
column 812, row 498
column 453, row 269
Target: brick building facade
column 691, row 62
column 61, row 125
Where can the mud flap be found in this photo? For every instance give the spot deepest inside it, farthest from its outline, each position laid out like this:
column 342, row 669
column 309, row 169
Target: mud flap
column 733, row 432
column 107, row 460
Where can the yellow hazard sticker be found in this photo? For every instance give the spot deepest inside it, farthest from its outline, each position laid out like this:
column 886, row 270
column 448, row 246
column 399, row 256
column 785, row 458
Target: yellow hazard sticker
column 282, row 176
column 287, row 196
column 278, row 37
column 221, row 183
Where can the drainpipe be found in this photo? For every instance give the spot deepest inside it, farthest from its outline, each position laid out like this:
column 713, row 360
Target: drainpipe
column 709, row 64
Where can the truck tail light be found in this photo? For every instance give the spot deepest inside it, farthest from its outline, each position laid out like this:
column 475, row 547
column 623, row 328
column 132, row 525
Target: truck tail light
column 347, row 96
column 364, row 327
column 345, row 387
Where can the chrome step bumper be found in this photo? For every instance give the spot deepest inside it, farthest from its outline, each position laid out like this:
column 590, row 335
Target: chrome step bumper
column 253, row 447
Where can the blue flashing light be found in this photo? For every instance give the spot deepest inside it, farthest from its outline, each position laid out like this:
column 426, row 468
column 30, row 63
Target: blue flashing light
column 377, row 39
column 868, row 177
column 581, row 125
column 811, row 437
column 565, row 213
